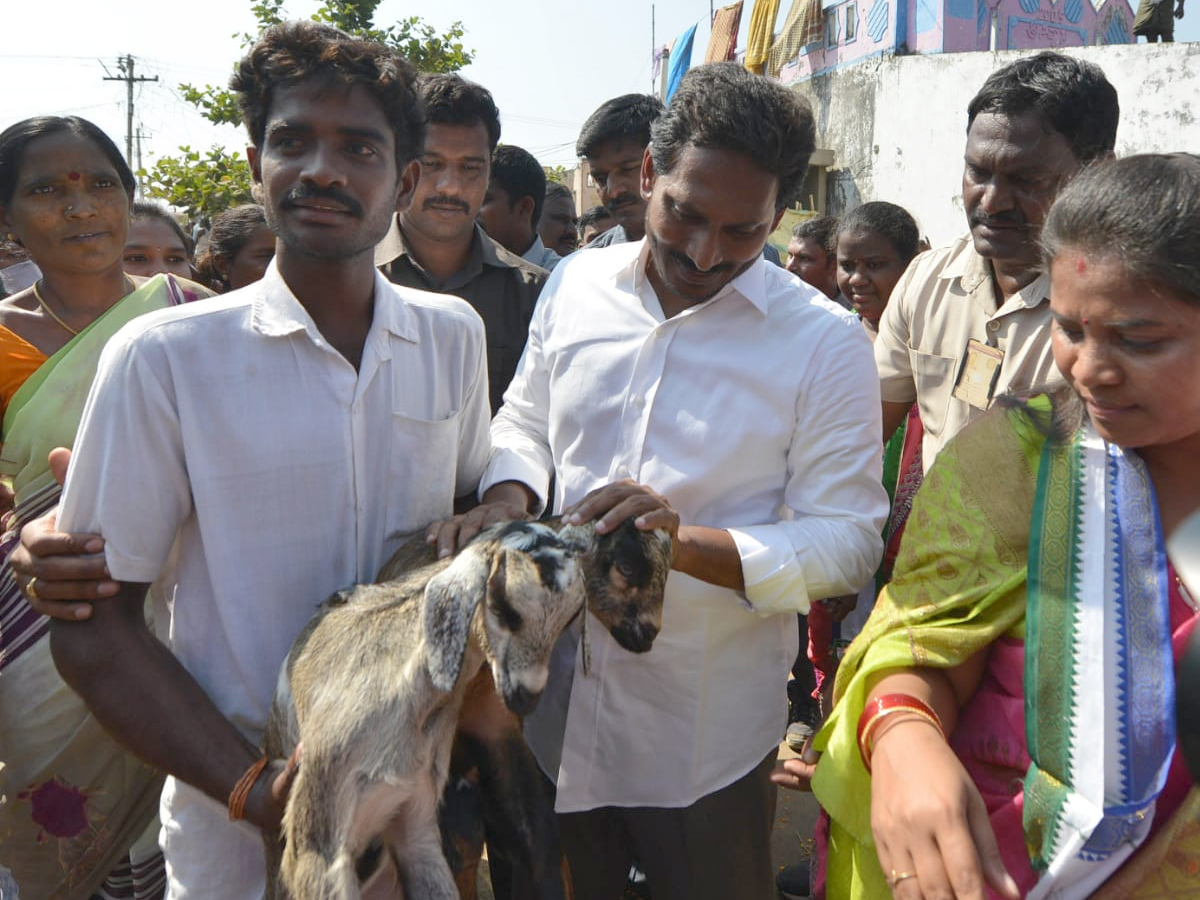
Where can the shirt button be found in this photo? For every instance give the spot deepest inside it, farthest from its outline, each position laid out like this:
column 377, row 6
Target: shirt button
column 993, row 327
column 623, row 472
column 637, row 401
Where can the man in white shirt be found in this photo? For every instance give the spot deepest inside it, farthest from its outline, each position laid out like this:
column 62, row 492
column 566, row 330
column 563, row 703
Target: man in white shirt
column 278, row 441
column 687, row 367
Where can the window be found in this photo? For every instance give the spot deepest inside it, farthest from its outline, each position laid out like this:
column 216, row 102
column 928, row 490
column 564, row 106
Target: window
column 851, row 21
column 831, row 28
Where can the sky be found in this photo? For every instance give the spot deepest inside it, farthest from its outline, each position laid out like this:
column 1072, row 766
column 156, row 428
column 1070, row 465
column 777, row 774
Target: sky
column 548, row 63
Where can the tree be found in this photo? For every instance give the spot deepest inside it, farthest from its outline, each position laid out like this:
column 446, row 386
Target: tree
column 561, row 174
column 200, row 185
column 203, row 184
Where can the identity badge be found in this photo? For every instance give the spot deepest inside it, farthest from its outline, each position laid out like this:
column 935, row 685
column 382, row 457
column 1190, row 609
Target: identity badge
column 980, row 371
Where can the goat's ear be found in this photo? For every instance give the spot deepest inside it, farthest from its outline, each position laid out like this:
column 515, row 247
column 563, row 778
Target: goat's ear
column 450, row 600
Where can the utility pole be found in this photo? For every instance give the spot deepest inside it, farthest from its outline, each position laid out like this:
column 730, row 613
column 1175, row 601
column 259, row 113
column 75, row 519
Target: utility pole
column 136, row 171
column 125, row 64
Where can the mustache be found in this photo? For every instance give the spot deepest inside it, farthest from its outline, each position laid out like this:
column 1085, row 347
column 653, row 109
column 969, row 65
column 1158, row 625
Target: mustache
column 309, row 192
column 686, row 262
column 444, row 200
column 1005, row 220
column 622, row 201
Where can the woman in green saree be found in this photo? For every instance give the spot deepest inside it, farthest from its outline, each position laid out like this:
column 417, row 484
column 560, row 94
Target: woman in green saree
column 1005, row 722
column 76, row 804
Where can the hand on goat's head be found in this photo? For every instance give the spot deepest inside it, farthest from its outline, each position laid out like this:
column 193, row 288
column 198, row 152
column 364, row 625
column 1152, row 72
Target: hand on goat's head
column 626, row 571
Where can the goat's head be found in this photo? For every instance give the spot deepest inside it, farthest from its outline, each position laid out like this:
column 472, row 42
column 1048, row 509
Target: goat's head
column 530, row 584
column 626, row 572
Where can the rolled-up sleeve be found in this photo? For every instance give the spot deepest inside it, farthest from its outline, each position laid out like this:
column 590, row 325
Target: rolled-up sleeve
column 828, row 542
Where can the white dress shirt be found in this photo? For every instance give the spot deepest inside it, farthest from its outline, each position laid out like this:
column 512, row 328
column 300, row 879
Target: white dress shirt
column 233, row 428
column 756, row 412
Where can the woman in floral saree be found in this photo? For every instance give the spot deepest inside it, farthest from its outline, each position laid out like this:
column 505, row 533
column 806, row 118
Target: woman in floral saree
column 79, row 812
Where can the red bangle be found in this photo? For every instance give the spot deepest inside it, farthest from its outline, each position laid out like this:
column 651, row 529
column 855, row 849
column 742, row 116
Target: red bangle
column 878, row 708
column 241, row 790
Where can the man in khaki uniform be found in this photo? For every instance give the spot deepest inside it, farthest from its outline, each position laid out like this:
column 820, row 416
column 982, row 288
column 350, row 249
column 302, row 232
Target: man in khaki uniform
column 970, row 321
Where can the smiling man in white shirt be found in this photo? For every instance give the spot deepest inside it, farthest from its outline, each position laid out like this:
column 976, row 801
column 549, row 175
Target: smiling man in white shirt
column 686, row 381
column 276, row 443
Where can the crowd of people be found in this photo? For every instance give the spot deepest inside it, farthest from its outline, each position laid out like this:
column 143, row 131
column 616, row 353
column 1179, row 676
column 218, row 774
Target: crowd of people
column 956, row 468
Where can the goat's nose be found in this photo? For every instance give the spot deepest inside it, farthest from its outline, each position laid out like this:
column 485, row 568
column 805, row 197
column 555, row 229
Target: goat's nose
column 636, row 637
column 521, row 700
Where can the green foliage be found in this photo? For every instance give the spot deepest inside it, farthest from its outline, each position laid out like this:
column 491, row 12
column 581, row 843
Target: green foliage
column 202, row 184
column 561, row 174
column 199, row 184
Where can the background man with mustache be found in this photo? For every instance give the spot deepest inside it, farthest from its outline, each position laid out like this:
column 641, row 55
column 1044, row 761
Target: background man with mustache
column 970, row 321
column 436, row 244
column 613, row 141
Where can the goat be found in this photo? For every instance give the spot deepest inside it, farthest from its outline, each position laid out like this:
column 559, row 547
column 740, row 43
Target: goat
column 626, row 571
column 396, row 659
column 373, row 685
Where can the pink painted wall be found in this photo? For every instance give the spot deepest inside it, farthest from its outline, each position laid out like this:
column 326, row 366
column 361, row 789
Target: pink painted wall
column 857, row 29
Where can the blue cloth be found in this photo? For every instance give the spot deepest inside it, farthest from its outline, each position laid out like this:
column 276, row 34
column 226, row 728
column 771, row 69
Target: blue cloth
column 681, row 58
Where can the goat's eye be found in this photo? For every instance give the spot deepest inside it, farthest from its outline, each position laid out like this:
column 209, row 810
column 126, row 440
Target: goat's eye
column 624, row 570
column 504, row 612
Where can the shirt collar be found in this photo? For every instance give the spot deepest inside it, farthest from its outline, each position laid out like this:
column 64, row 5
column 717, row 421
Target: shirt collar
column 484, row 252
column 751, row 284
column 973, row 271
column 277, row 312
column 536, row 252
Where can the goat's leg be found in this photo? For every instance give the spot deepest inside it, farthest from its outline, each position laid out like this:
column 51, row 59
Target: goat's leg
column 519, row 820
column 273, row 852
column 460, row 819
column 518, row 811
column 416, row 844
column 524, row 853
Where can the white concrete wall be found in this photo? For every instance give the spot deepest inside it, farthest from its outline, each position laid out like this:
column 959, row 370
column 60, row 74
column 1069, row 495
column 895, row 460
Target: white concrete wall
column 897, row 125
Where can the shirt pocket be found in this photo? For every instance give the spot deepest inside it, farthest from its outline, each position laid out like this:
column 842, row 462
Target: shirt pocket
column 421, row 471
column 934, row 377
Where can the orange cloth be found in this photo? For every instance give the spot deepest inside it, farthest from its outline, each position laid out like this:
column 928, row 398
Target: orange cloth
column 723, row 42
column 18, row 360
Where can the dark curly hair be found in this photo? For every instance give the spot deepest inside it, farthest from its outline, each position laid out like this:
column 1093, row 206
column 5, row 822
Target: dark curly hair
column 1071, row 96
column 887, row 219
column 452, row 100
column 293, row 52
column 624, row 118
column 821, row 229
column 722, row 106
column 519, row 173
column 231, row 231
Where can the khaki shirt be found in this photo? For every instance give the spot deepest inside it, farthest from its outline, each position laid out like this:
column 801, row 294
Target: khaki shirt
column 944, row 299
column 501, row 287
